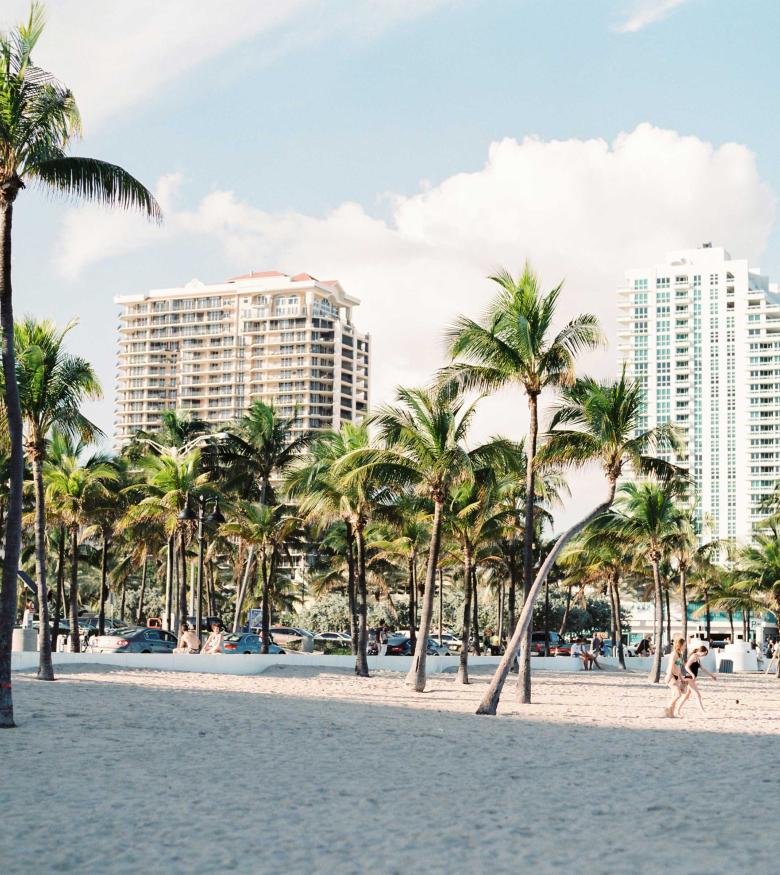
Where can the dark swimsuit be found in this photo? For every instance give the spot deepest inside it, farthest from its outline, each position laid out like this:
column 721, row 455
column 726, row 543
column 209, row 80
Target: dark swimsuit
column 693, row 668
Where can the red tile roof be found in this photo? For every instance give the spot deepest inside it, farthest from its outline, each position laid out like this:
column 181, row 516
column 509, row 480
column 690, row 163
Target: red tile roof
column 300, row 277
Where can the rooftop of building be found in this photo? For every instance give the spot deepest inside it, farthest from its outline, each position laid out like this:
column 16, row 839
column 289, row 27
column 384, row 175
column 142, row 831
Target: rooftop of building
column 254, row 281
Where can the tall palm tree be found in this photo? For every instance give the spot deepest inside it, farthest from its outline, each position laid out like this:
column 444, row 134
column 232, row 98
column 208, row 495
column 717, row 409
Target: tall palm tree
column 38, row 121
column 596, row 422
column 758, row 567
column 271, row 530
column 650, row 514
column 515, row 345
column 72, row 486
column 423, row 446
column 53, row 385
column 331, row 487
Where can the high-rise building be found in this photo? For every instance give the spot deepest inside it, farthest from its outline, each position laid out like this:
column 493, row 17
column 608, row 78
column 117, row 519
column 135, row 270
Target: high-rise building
column 701, row 332
column 212, row 349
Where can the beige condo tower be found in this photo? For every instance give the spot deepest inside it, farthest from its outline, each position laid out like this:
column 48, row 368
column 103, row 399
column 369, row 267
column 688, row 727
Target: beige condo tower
column 212, row 349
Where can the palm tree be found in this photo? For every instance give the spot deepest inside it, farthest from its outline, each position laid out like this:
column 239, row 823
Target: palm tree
column 650, row 514
column 172, row 476
column 423, row 446
column 330, row 487
column 270, row 529
column 52, row 387
column 595, row 422
column 758, row 567
column 73, row 486
column 263, row 445
column 39, row 121
column 515, row 346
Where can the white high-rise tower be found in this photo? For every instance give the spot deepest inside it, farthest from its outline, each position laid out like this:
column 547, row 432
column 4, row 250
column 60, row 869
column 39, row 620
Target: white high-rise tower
column 701, row 332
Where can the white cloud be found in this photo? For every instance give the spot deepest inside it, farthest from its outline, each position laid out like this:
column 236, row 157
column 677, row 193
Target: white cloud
column 582, row 210
column 645, row 12
column 117, row 55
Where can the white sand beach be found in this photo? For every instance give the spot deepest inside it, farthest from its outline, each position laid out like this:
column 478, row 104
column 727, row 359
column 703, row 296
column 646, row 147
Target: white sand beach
column 307, row 770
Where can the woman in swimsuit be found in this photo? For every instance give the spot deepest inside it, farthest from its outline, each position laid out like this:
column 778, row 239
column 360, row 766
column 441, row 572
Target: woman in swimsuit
column 692, row 675
column 674, row 676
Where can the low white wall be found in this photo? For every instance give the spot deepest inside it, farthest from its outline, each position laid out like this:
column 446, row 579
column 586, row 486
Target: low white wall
column 247, row 664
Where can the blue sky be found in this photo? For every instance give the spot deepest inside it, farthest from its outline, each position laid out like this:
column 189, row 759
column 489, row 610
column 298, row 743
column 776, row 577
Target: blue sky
column 354, row 139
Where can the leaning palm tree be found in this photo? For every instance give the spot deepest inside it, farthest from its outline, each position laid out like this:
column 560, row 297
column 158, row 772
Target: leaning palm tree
column 515, row 345
column 595, row 422
column 38, row 121
column 52, row 388
column 72, row 486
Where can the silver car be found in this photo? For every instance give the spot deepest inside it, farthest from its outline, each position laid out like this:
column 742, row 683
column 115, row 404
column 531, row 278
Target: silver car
column 135, row 640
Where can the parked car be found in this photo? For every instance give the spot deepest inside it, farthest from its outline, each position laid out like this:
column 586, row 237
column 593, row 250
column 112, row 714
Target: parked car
column 333, row 637
column 537, row 643
column 285, row 634
column 450, row 641
column 247, row 642
column 135, row 640
column 401, row 645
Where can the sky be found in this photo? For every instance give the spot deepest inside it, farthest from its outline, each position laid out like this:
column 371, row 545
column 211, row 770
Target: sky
column 408, row 148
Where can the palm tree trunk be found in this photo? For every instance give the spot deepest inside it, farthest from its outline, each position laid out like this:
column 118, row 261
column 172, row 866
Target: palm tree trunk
column 416, row 676
column 511, row 597
column 612, row 613
column 351, row 600
column 684, row 602
column 60, row 587
column 181, row 614
column 13, row 523
column 731, row 623
column 266, row 616
column 500, row 612
column 655, row 671
column 361, row 659
column 141, row 593
column 45, row 667
column 169, row 582
column 122, row 600
column 566, row 607
column 475, row 609
column 103, row 586
column 489, row 703
column 708, row 616
column 524, row 677
column 75, row 642
column 621, row 652
column 465, row 635
column 668, row 613
column 411, row 585
column 241, row 594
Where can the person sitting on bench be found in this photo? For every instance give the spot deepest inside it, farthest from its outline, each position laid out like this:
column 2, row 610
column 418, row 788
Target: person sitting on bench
column 578, row 650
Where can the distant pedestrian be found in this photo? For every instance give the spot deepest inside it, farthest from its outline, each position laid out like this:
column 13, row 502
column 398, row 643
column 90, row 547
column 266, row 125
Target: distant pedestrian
column 643, row 648
column 28, row 616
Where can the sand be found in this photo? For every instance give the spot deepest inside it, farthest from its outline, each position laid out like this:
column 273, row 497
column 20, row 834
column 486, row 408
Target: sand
column 313, row 771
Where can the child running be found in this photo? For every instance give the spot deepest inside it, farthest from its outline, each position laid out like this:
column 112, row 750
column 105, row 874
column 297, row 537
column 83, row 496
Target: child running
column 692, row 677
column 675, row 674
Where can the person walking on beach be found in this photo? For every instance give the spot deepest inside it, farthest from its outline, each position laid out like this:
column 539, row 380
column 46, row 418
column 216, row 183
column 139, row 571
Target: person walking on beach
column 214, row 641
column 188, row 640
column 692, row 667
column 675, row 676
